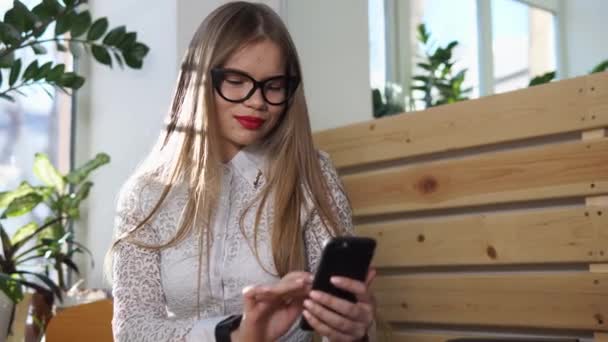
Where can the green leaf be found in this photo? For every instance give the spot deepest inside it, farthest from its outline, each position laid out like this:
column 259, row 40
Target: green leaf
column 64, row 22
column 69, row 2
column 7, row 247
column 30, row 71
column 81, row 23
column 25, row 18
column 23, row 232
column 542, row 79
column 15, row 71
column 139, row 51
column 11, row 287
column 9, row 34
column 7, row 97
column 47, row 173
column 22, row 205
column 128, row 41
column 43, row 71
column 101, row 55
column 8, row 196
column 78, row 175
column 118, row 59
column 47, row 281
column 97, row 30
column 115, row 36
column 39, row 49
column 70, row 264
column 8, row 60
column 71, row 80
column 55, row 74
column 425, row 66
column 53, row 6
column 600, row 67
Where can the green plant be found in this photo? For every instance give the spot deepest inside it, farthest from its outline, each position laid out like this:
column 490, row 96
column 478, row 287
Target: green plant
column 50, row 245
column 52, row 242
column 23, row 28
column 439, row 83
column 389, row 103
column 550, row 76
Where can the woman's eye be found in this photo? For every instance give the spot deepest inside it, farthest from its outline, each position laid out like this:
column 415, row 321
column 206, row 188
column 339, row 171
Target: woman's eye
column 234, row 81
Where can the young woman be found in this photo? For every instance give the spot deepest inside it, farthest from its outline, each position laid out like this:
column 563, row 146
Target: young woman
column 233, row 195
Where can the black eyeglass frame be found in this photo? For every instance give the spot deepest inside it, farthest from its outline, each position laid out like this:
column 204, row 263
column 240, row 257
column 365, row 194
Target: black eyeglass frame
column 217, row 77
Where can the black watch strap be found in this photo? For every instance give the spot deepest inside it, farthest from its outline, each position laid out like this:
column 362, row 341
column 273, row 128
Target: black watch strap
column 224, row 328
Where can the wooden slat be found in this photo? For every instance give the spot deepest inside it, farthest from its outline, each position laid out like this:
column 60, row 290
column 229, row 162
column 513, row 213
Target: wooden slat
column 565, row 106
column 576, row 301
column 551, row 171
column 600, row 337
column 539, row 236
column 425, row 336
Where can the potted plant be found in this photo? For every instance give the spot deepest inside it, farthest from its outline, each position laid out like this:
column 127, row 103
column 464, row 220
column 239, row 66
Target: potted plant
column 37, row 256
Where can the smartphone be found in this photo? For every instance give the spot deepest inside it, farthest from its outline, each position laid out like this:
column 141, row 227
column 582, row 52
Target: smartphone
column 346, row 256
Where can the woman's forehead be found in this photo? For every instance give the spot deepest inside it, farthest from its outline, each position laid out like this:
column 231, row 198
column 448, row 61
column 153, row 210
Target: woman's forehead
column 259, row 59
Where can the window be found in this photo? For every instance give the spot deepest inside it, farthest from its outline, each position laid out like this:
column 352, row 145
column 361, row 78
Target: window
column 502, row 43
column 34, row 123
column 523, row 44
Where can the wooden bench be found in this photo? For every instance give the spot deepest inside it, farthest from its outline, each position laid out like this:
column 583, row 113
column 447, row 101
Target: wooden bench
column 491, row 214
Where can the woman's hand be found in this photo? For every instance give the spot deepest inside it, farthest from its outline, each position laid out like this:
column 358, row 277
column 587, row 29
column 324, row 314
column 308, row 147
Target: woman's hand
column 269, row 311
column 339, row 319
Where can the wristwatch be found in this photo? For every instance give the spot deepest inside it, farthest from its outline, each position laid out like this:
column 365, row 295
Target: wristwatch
column 224, row 328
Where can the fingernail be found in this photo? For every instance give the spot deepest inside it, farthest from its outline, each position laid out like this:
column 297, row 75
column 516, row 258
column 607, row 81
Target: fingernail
column 335, row 280
column 315, row 295
column 307, row 303
column 306, row 313
column 311, row 277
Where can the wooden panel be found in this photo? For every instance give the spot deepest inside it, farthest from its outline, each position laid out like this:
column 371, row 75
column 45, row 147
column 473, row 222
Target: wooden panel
column 543, row 300
column 565, row 106
column 552, row 171
column 87, row 322
column 540, row 236
column 600, row 337
column 444, row 337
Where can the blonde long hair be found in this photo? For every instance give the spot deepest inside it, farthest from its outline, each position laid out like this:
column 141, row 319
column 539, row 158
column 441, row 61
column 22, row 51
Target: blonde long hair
column 192, row 138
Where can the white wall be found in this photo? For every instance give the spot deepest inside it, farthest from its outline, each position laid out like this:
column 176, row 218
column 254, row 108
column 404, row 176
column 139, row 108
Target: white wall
column 332, row 41
column 586, row 31
column 125, row 111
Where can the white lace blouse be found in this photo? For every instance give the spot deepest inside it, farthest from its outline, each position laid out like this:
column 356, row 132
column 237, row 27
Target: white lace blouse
column 155, row 293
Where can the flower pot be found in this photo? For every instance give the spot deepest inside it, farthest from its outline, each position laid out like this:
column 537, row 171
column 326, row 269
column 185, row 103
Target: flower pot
column 6, row 313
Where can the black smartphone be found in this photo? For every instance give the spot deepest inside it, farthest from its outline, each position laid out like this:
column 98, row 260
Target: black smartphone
column 346, row 256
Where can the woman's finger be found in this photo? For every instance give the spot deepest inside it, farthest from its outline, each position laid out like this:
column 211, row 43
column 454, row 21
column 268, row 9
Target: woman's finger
column 323, row 329
column 339, row 305
column 334, row 320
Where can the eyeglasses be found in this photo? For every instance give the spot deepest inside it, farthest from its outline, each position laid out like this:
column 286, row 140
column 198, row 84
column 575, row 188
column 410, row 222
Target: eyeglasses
column 237, row 86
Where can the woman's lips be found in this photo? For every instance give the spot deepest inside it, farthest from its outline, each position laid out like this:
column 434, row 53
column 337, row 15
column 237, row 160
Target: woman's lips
column 250, row 122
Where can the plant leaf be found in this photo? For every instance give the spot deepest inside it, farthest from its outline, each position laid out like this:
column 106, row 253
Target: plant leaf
column 55, row 74
column 8, row 196
column 22, row 205
column 15, row 71
column 101, row 55
column 80, row 23
column 71, row 80
column 24, row 231
column 80, row 174
column 9, row 34
column 600, row 67
column 115, row 35
column 43, row 71
column 30, row 71
column 97, row 30
column 64, row 23
column 47, row 173
column 11, row 287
